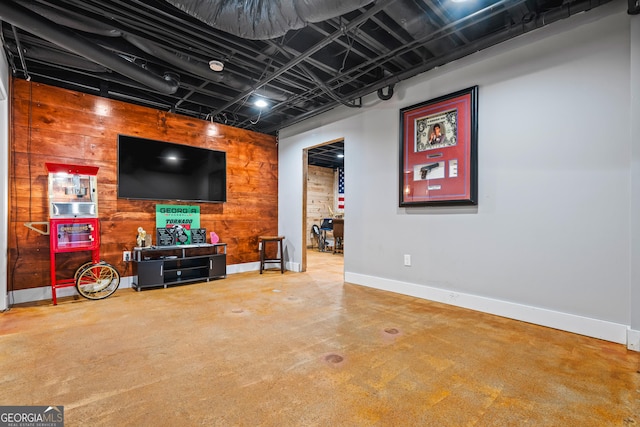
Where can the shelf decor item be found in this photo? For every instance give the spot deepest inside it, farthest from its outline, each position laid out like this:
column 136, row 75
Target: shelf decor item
column 198, row 236
column 141, row 239
column 175, row 222
column 165, row 237
column 438, row 151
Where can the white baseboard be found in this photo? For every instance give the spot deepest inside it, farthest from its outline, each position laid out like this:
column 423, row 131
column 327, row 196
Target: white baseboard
column 126, row 282
column 633, row 340
column 243, row 268
column 37, row 294
column 255, row 266
column 44, row 292
column 595, row 328
column 590, row 327
column 293, row 266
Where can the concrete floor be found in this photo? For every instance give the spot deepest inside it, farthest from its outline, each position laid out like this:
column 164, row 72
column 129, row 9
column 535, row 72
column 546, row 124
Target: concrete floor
column 304, row 349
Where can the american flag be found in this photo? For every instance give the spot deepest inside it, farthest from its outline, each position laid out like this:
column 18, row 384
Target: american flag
column 340, row 188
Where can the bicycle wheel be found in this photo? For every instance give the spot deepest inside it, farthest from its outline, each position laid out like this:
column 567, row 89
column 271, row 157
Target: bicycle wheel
column 97, row 281
column 82, row 267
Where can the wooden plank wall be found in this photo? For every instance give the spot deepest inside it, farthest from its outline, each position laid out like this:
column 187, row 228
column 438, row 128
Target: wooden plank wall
column 320, row 196
column 50, row 124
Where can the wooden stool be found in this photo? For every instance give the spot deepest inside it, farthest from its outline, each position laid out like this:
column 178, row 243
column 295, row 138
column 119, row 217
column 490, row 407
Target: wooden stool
column 262, row 242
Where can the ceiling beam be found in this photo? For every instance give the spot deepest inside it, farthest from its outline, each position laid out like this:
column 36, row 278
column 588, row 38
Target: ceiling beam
column 380, row 5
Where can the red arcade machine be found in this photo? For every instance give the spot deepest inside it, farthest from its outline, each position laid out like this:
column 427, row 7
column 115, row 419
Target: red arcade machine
column 74, row 226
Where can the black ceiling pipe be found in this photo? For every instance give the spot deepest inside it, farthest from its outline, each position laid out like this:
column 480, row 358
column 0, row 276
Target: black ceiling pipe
column 388, row 95
column 42, row 27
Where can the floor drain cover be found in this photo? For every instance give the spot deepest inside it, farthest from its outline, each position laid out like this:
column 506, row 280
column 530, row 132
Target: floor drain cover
column 334, row 358
column 392, row 331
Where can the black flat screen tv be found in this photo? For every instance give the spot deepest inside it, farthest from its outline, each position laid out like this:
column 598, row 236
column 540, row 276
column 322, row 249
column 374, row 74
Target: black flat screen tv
column 158, row 170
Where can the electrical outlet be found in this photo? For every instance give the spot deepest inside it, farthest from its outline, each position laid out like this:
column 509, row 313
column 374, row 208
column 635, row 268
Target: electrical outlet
column 407, row 260
column 126, row 256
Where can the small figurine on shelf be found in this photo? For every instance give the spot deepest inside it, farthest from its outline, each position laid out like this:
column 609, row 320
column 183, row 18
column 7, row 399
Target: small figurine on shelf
column 142, row 237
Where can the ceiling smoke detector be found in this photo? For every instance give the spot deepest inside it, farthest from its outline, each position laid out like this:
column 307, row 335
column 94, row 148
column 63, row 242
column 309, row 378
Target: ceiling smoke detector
column 216, row 65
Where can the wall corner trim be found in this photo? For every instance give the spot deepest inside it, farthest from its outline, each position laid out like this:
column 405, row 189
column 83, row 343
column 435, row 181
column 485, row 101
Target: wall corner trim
column 633, row 340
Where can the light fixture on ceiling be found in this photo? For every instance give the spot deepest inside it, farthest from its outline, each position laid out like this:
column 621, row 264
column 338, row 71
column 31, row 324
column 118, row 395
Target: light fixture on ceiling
column 340, row 156
column 260, row 103
column 216, row 65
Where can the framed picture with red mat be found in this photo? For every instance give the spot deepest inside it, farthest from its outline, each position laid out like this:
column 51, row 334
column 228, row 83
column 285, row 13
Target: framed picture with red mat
column 438, row 151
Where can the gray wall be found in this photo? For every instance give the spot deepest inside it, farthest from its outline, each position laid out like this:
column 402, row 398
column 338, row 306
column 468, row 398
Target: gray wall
column 634, row 110
column 552, row 238
column 4, row 176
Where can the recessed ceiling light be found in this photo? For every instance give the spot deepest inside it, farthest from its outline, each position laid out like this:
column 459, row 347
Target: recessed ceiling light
column 216, row 65
column 340, row 156
column 260, row 103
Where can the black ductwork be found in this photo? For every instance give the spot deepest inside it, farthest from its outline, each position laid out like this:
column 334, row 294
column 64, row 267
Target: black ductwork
column 70, row 19
column 198, row 67
column 48, row 30
column 262, row 20
column 184, row 62
column 63, row 58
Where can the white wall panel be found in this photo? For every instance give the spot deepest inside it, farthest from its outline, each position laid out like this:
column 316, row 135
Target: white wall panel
column 4, row 177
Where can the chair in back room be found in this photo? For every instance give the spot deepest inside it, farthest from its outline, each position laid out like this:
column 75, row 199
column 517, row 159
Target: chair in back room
column 316, row 235
column 338, row 235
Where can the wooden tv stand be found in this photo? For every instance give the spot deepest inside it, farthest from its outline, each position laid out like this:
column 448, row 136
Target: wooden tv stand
column 162, row 266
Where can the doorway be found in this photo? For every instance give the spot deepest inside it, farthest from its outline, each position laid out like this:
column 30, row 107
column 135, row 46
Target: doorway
column 323, row 196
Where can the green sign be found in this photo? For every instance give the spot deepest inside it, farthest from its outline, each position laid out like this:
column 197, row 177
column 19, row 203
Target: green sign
column 181, row 217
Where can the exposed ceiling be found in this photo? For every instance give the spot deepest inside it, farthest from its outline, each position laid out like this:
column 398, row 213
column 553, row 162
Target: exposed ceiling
column 303, row 57
column 327, row 156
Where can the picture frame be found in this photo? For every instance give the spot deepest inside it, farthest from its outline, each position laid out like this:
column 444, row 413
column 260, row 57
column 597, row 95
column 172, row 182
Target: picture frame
column 198, row 236
column 438, row 151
